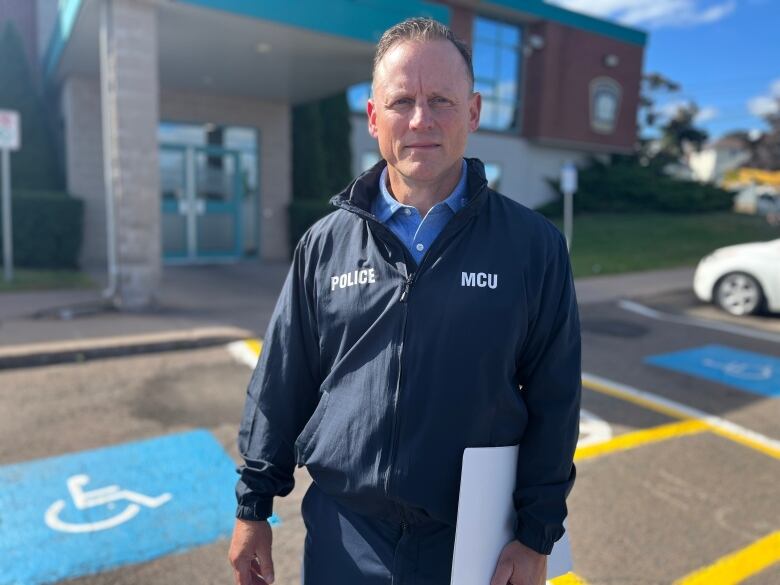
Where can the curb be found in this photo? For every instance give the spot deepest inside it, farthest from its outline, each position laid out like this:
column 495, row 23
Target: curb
column 46, row 354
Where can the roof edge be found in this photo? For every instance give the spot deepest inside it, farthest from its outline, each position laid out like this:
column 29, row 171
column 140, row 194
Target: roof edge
column 363, row 21
column 67, row 14
column 574, row 19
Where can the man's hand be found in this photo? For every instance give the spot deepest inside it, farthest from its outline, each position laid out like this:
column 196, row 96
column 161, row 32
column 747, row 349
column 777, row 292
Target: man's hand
column 250, row 553
column 520, row 565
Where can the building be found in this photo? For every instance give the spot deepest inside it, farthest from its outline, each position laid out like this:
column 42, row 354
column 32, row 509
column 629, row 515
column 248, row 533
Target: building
column 191, row 102
column 713, row 162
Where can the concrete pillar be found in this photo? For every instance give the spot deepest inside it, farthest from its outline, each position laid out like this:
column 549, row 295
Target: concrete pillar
column 132, row 99
column 80, row 105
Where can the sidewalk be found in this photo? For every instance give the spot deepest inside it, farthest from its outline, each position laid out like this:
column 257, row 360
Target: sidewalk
column 198, row 305
column 202, row 305
column 597, row 289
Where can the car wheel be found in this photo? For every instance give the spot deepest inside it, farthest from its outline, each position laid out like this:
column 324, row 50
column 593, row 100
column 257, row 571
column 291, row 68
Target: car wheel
column 739, row 294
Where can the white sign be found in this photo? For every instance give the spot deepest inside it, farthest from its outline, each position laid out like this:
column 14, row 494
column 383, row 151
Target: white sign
column 568, row 178
column 10, row 132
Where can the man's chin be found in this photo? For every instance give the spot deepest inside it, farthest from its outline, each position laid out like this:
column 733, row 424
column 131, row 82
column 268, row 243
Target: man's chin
column 421, row 167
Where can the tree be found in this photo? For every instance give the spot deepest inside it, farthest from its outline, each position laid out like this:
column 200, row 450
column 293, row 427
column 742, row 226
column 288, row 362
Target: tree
column 322, row 155
column 652, row 87
column 34, row 166
column 766, row 149
column 309, row 165
column 322, row 159
column 336, row 128
column 679, row 134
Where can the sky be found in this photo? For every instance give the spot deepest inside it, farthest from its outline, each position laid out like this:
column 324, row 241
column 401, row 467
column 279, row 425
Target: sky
column 724, row 53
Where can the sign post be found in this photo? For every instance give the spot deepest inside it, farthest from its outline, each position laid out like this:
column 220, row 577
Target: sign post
column 9, row 140
column 568, row 186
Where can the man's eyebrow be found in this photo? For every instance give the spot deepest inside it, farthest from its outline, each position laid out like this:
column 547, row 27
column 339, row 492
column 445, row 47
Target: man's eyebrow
column 395, row 94
column 399, row 93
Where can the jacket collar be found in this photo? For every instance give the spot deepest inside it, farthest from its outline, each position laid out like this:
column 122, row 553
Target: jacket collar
column 360, row 194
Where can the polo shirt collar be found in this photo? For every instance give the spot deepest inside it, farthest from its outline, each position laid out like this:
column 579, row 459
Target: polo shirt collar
column 387, row 205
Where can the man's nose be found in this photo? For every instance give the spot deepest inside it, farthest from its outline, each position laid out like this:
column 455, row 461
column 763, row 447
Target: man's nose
column 422, row 117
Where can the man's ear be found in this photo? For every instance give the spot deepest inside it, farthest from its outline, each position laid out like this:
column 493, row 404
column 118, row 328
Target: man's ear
column 371, row 112
column 475, row 108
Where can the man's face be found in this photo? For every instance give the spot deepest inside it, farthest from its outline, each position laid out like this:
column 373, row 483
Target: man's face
column 422, row 109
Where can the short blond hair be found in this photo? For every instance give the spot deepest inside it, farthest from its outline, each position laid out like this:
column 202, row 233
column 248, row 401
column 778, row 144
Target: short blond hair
column 422, row 29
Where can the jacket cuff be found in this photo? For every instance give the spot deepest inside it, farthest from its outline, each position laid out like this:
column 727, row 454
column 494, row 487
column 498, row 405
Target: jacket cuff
column 538, row 538
column 259, row 510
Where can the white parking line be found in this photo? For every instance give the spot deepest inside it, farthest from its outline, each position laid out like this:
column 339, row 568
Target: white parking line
column 650, row 313
column 245, row 352
column 722, row 426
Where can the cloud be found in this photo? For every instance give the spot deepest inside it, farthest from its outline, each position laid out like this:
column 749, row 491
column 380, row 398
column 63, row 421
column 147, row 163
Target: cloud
column 767, row 104
column 670, row 109
column 654, row 13
column 705, row 114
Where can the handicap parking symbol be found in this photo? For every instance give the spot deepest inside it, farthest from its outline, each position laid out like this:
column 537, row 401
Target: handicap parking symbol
column 101, row 509
column 752, row 372
column 98, row 497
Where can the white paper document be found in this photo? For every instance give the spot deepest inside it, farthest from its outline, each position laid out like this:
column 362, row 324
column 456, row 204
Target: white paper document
column 486, row 517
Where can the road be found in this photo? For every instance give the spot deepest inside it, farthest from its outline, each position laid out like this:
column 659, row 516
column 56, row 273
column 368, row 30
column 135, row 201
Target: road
column 663, row 494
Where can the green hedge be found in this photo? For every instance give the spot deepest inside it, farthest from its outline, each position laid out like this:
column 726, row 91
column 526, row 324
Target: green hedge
column 35, row 165
column 47, row 229
column 627, row 187
column 303, row 214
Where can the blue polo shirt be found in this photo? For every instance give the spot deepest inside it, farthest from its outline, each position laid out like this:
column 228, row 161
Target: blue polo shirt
column 416, row 232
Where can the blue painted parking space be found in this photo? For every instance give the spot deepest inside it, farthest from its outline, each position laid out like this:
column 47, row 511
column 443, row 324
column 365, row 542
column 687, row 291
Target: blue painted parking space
column 95, row 510
column 752, row 372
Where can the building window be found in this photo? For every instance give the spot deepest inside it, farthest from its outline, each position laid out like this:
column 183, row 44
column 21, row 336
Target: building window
column 213, row 173
column 368, row 159
column 496, row 55
column 604, row 104
column 493, row 175
column 357, row 96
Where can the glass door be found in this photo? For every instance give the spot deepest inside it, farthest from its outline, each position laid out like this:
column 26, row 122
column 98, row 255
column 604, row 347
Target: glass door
column 218, row 195
column 174, row 194
column 201, row 192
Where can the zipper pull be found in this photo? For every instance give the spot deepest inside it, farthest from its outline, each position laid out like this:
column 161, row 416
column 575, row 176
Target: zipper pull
column 407, row 286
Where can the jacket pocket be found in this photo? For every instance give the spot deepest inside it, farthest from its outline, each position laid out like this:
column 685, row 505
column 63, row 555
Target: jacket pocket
column 305, row 441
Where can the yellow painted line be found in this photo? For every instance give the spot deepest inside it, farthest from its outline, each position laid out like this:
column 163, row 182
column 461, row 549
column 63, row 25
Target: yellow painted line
column 739, row 565
column 255, row 346
column 639, row 438
column 568, row 579
column 614, row 390
column 758, row 446
column 718, row 425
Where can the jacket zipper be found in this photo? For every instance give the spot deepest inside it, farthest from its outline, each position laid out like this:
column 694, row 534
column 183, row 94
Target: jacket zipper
column 407, row 285
column 403, row 299
column 393, row 434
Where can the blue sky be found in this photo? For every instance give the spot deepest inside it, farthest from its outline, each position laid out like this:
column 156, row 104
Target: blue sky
column 724, row 53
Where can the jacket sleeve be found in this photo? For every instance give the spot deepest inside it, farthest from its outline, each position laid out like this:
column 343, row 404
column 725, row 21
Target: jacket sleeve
column 282, row 394
column 550, row 372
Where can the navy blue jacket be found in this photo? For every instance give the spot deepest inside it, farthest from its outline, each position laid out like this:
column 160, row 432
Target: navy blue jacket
column 376, row 373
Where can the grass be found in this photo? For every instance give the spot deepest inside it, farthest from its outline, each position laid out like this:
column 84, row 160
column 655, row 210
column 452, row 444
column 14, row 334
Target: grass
column 611, row 243
column 604, row 243
column 25, row 280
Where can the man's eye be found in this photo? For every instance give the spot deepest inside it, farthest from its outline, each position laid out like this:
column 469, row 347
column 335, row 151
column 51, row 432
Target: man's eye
column 402, row 102
column 440, row 101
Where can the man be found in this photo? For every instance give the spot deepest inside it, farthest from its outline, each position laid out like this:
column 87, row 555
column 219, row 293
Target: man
column 427, row 314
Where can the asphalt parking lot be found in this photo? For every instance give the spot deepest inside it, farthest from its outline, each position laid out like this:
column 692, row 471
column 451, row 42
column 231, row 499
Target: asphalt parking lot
column 677, row 463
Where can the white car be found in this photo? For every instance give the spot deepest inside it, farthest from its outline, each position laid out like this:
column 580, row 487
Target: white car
column 742, row 279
